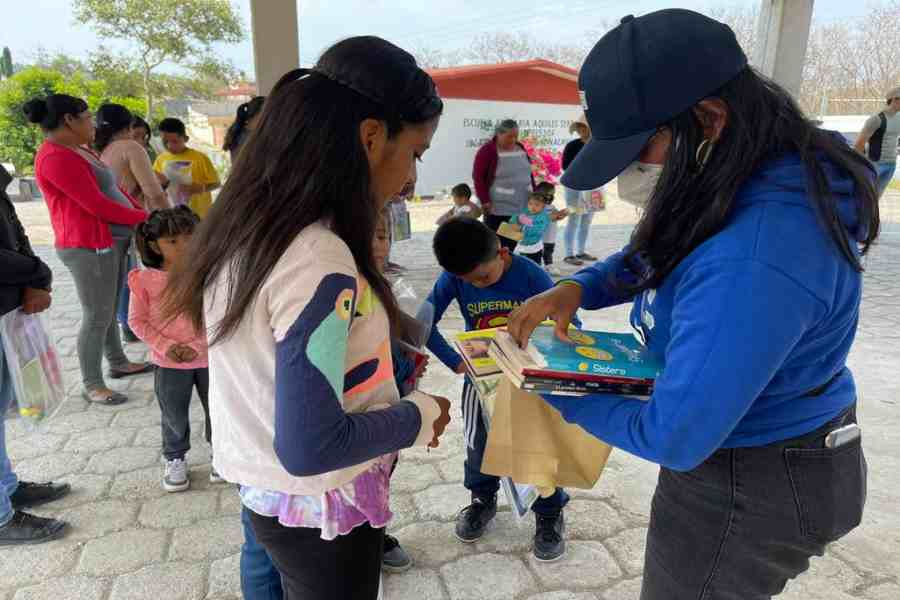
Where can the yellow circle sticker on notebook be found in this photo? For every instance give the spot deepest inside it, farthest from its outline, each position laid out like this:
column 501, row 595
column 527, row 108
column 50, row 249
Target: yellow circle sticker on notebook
column 594, row 353
column 581, row 338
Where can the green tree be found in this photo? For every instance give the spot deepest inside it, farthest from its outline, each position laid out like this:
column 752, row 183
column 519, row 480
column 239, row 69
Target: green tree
column 180, row 32
column 19, row 139
column 6, row 64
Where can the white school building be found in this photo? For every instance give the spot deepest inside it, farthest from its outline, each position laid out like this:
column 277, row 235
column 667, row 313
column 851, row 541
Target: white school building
column 541, row 95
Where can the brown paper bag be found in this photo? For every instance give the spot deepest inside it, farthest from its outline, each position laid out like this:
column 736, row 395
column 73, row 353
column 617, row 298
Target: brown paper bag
column 531, row 442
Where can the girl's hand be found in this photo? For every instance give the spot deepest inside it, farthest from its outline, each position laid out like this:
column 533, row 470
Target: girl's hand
column 187, row 353
column 181, row 353
column 441, row 422
column 421, row 368
column 35, row 301
column 174, row 353
column 559, row 303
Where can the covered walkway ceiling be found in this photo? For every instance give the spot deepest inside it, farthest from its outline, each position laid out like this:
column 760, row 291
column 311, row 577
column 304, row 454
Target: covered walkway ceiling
column 780, row 50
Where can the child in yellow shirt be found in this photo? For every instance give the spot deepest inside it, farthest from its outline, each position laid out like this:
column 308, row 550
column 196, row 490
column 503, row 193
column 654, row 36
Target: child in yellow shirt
column 189, row 174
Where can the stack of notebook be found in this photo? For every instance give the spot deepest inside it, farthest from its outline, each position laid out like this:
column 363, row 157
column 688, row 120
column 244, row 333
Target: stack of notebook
column 595, row 363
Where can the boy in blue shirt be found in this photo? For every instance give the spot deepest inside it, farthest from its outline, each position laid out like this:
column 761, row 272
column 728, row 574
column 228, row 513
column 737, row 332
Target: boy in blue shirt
column 487, row 282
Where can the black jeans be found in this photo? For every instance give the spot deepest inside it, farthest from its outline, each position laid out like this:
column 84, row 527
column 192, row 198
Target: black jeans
column 483, row 486
column 494, row 222
column 535, row 256
column 345, row 568
column 548, row 253
column 174, row 388
column 747, row 520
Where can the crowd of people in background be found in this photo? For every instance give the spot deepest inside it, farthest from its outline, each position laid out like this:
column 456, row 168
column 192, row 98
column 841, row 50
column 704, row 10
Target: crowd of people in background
column 274, row 304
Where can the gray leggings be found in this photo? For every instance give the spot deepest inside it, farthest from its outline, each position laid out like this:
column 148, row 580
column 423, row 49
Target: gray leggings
column 97, row 275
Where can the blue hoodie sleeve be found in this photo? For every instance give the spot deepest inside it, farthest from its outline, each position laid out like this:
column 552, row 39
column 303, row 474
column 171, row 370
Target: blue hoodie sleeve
column 597, row 284
column 733, row 326
column 443, row 293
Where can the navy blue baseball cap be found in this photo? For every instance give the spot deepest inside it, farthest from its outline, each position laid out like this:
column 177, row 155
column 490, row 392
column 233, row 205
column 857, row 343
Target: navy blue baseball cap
column 641, row 75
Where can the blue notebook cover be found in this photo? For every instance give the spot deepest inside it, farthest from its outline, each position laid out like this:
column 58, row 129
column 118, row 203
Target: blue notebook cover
column 594, row 353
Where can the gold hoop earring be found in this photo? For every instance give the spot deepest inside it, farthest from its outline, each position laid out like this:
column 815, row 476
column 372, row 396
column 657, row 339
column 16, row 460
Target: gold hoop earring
column 704, row 151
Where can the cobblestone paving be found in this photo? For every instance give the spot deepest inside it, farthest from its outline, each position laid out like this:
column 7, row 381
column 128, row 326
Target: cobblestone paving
column 130, row 540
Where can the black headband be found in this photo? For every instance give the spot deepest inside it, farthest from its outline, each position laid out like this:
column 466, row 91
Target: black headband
column 404, row 108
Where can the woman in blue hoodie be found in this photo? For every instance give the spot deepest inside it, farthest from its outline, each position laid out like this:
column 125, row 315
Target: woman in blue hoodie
column 745, row 277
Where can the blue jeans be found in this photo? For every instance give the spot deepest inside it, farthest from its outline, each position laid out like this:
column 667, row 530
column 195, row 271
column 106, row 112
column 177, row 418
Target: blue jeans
column 578, row 226
column 885, row 174
column 125, row 291
column 260, row 580
column 8, row 480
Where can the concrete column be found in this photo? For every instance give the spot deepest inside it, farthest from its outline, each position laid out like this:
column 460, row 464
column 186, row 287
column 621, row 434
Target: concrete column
column 782, row 36
column 276, row 40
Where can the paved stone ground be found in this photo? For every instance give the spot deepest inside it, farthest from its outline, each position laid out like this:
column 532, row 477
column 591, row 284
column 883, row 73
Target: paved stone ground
column 129, row 540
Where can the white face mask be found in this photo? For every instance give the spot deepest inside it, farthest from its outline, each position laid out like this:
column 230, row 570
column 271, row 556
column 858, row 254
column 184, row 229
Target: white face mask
column 637, row 182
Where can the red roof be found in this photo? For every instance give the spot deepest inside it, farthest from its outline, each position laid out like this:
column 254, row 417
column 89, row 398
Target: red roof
column 239, row 89
column 538, row 81
column 538, row 64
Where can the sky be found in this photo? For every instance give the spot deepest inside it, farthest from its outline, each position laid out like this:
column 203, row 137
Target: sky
column 442, row 24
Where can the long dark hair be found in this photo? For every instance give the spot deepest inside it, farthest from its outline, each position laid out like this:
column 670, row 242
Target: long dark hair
column 245, row 112
column 50, row 112
column 111, row 119
column 305, row 162
column 167, row 222
column 139, row 123
column 692, row 203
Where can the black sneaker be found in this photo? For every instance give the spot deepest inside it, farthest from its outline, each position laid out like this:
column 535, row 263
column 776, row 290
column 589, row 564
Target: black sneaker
column 571, row 260
column 549, row 544
column 587, row 257
column 395, row 560
column 472, row 521
column 26, row 529
column 34, row 494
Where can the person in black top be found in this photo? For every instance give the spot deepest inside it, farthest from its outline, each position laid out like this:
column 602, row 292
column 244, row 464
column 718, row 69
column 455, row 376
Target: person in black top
column 245, row 121
column 24, row 282
column 581, row 211
column 574, row 147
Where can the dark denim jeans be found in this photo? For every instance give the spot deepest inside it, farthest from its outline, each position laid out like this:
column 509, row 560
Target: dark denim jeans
column 485, row 486
column 747, row 520
column 125, row 291
column 174, row 390
column 9, row 483
column 260, row 579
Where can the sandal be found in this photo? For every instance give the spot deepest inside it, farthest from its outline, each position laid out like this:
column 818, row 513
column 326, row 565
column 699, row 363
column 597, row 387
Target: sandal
column 147, row 368
column 111, row 399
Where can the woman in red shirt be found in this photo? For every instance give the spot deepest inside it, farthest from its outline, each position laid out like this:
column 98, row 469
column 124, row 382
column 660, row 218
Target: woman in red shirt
column 93, row 222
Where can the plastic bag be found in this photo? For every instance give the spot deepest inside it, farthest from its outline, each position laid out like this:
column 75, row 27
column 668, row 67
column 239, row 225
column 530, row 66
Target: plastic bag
column 598, row 199
column 34, row 366
column 420, row 312
column 520, row 497
column 416, row 318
